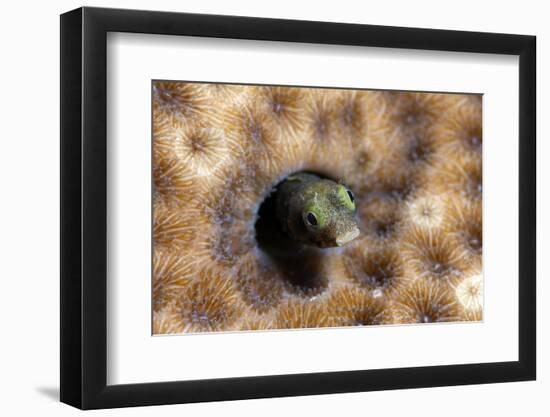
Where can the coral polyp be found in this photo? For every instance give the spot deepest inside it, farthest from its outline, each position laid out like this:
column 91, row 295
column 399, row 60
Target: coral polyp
column 431, row 254
column 171, row 179
column 165, row 322
column 172, row 228
column 405, row 168
column 224, row 93
column 201, row 148
column 321, row 117
column 464, row 222
column 255, row 323
column 352, row 118
column 470, row 293
column 259, row 282
column 380, row 219
column 295, row 314
column 426, row 211
column 230, row 212
column 248, row 125
column 352, row 306
column 171, row 274
column 207, row 304
column 184, row 101
column 379, row 270
column 463, row 133
column 462, row 175
column 283, row 107
column 426, row 302
column 416, row 112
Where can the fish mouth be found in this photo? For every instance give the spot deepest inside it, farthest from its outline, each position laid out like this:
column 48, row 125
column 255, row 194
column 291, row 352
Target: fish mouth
column 347, row 237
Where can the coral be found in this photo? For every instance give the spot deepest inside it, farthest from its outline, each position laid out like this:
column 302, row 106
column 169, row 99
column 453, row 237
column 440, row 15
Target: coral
column 321, row 116
column 283, row 108
column 414, row 113
column 220, row 263
column 224, row 93
column 201, row 148
column 420, row 150
column 172, row 228
column 464, row 222
column 252, row 322
column 164, row 322
column 432, row 255
column 259, row 282
column 249, row 125
column 171, row 274
column 379, row 270
column 209, row 303
column 183, row 101
column 470, row 293
column 171, row 178
column 352, row 122
column 462, row 133
column 230, row 211
column 294, row 314
column 426, row 211
column 351, row 306
column 380, row 219
column 426, row 302
column 461, row 174
column 393, row 180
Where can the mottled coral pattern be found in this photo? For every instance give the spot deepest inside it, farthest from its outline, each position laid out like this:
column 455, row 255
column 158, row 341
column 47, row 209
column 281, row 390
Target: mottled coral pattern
column 413, row 161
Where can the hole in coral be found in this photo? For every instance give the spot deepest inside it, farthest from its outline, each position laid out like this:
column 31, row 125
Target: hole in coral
column 472, row 134
column 398, row 188
column 440, row 269
column 384, row 229
column 475, row 244
column 363, row 159
column 377, row 270
column 474, row 186
column 419, row 151
column 473, row 238
column 410, row 119
column 256, row 133
column 165, row 96
column 277, row 108
column 425, row 319
column 321, row 127
column 378, row 275
column 197, row 143
column 348, row 114
column 299, row 266
column 475, row 141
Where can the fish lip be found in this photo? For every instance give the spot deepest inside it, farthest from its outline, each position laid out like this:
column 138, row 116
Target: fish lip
column 347, row 237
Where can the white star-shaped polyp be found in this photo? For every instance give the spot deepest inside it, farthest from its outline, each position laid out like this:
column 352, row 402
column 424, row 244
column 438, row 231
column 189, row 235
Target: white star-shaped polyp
column 470, row 293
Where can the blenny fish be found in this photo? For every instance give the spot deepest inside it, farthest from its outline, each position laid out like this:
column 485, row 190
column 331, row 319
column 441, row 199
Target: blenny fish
column 316, row 211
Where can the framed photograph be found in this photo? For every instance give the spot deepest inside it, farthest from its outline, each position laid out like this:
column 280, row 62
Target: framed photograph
column 258, row 208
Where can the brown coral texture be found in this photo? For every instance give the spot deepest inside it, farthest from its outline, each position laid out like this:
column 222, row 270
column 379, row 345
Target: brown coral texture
column 413, row 161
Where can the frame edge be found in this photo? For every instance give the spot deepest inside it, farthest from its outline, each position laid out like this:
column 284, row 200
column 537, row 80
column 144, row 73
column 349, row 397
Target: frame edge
column 83, row 212
column 528, row 207
column 70, row 215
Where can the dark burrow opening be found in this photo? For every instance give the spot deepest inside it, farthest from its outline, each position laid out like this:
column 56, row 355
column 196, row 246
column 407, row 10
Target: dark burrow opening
column 299, row 265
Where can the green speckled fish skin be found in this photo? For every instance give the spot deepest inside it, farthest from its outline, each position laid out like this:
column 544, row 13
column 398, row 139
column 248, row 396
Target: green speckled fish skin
column 316, row 211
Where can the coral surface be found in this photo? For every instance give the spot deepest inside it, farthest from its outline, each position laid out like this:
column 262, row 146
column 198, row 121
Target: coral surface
column 220, row 261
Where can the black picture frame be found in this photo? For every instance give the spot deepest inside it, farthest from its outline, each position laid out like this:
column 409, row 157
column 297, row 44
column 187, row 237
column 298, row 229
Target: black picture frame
column 84, row 207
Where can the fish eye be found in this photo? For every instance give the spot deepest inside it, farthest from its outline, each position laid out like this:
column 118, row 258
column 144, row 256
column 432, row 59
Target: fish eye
column 346, row 197
column 311, row 219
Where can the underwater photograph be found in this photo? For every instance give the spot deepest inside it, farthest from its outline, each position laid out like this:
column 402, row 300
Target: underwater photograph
column 279, row 207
